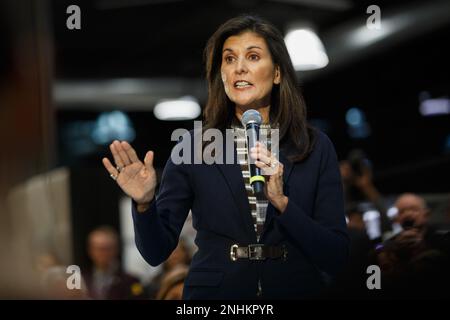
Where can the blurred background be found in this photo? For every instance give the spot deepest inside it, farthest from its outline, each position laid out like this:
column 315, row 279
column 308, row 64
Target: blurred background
column 133, row 70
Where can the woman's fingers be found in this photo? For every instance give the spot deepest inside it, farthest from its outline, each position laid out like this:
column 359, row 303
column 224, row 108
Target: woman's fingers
column 275, row 168
column 123, row 155
column 110, row 168
column 117, row 158
column 148, row 160
column 280, row 169
column 129, row 151
column 262, row 148
column 262, row 153
column 264, row 159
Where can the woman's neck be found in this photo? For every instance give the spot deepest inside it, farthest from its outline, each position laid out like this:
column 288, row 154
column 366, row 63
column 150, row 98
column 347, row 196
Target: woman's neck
column 264, row 111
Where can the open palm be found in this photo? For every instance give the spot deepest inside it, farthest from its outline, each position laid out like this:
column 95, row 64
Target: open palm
column 136, row 178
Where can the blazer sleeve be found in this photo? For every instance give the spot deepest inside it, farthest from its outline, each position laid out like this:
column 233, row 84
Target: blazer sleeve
column 157, row 230
column 322, row 236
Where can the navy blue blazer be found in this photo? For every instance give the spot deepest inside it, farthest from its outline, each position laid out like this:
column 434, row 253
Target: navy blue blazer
column 312, row 227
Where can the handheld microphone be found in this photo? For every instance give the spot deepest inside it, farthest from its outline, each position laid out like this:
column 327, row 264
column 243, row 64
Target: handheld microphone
column 251, row 119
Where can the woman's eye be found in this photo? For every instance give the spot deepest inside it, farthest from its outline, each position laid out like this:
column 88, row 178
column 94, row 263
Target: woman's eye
column 254, row 57
column 229, row 59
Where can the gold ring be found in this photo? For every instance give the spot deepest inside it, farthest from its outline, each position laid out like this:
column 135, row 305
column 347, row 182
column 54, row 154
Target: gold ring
column 113, row 176
column 119, row 168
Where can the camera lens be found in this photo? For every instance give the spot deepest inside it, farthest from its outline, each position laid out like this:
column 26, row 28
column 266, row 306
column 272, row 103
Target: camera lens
column 408, row 224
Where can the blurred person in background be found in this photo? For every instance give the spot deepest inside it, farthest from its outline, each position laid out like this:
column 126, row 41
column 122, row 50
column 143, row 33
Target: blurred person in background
column 180, row 257
column 54, row 285
column 355, row 220
column 360, row 244
column 357, row 178
column 106, row 280
column 412, row 212
column 45, row 261
column 414, row 217
column 416, row 261
column 351, row 283
column 54, row 277
column 172, row 283
column 295, row 229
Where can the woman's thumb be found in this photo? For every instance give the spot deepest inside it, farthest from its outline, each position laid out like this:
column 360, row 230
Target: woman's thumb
column 148, row 160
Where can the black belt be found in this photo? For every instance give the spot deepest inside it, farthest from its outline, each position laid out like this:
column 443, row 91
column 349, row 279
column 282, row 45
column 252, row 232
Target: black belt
column 258, row 252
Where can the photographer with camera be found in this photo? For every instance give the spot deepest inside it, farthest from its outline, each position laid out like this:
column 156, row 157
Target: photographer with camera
column 356, row 172
column 419, row 255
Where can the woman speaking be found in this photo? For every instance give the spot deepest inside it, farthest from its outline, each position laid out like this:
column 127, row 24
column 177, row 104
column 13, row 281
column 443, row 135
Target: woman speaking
column 283, row 244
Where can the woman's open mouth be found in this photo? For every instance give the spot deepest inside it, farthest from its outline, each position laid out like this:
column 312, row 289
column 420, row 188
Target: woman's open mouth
column 242, row 84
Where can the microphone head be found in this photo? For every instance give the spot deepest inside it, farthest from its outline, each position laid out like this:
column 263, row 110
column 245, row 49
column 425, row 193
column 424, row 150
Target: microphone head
column 251, row 116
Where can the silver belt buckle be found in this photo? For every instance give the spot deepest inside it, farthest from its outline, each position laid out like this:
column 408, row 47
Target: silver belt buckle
column 233, row 252
column 255, row 252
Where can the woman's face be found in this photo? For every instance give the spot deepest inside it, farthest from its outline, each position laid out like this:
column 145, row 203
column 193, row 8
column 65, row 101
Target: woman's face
column 247, row 70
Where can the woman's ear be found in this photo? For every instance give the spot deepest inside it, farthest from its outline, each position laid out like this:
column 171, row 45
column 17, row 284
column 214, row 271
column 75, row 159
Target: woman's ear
column 277, row 78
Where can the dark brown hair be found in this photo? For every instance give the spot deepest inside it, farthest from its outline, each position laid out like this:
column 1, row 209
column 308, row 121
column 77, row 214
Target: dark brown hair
column 287, row 107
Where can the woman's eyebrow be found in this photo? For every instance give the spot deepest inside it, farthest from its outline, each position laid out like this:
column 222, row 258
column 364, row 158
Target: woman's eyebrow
column 248, row 48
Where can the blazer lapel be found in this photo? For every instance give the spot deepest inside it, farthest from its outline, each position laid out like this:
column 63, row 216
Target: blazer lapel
column 233, row 176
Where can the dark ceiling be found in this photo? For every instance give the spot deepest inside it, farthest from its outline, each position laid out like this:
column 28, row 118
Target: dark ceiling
column 144, row 38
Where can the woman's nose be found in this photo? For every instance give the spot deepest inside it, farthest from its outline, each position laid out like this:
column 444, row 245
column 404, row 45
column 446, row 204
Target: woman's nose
column 241, row 66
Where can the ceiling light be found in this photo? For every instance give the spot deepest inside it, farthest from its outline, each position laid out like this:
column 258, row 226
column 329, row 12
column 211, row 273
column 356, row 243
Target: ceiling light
column 306, row 49
column 184, row 108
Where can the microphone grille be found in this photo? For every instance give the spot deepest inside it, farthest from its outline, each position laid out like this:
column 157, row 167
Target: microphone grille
column 251, row 116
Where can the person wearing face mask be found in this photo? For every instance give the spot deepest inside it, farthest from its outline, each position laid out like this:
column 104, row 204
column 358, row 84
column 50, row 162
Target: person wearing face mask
column 283, row 244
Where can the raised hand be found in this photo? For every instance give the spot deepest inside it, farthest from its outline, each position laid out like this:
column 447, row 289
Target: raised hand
column 136, row 179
